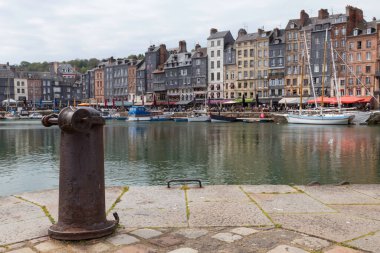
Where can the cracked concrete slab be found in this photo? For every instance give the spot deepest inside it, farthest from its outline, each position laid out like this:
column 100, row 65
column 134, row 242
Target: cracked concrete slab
column 328, row 194
column 215, row 193
column 49, row 199
column 369, row 243
column 204, row 214
column 21, row 220
column 151, row 207
column 280, row 189
column 290, row 203
column 372, row 190
column 333, row 226
column 364, row 211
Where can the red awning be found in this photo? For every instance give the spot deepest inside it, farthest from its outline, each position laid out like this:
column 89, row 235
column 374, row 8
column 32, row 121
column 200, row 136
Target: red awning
column 326, row 100
column 350, row 100
column 366, row 99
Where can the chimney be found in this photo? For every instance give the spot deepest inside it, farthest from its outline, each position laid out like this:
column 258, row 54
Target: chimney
column 323, row 14
column 260, row 31
column 213, row 31
column 242, row 32
column 354, row 18
column 197, row 46
column 182, row 47
column 304, row 17
column 163, row 54
column 374, row 19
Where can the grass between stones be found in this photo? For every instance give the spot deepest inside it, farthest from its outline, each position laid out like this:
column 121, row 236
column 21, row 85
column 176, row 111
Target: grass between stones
column 185, row 188
column 125, row 189
column 262, row 210
column 44, row 209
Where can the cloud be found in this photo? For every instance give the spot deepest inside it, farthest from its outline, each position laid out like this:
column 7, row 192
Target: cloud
column 45, row 30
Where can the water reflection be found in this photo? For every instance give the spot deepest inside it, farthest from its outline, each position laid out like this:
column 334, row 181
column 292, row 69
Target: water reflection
column 239, row 153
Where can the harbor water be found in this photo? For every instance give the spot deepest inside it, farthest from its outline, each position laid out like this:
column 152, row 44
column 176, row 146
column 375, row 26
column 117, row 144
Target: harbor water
column 149, row 153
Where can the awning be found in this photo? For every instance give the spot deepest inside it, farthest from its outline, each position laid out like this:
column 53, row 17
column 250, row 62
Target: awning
column 247, row 100
column 166, row 103
column 326, row 100
column 295, row 100
column 230, row 102
column 183, row 102
column 350, row 100
column 366, row 99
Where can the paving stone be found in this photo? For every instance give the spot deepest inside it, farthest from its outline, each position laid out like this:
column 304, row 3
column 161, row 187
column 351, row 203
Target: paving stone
column 122, row 239
column 192, row 233
column 49, row 245
column 184, row 250
column 23, row 230
column 340, row 249
column 2, row 249
column 167, row 241
column 244, row 231
column 372, row 190
column 146, row 233
column 311, row 243
column 23, row 250
column 17, row 245
column 38, row 240
column 338, row 195
column 151, row 206
column 369, row 243
column 138, row 248
column 227, row 237
column 290, row 203
column 365, row 211
column 217, row 193
column 226, row 214
column 94, row 248
column 337, row 227
column 268, row 189
column 286, row 249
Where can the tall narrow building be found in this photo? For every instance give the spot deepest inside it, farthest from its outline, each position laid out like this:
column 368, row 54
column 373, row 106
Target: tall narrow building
column 216, row 44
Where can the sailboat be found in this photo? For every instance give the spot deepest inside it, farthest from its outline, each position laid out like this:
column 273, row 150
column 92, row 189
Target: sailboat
column 319, row 117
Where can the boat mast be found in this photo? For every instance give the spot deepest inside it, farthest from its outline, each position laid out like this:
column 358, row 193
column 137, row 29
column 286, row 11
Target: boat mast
column 311, row 74
column 323, row 69
column 301, row 86
column 335, row 80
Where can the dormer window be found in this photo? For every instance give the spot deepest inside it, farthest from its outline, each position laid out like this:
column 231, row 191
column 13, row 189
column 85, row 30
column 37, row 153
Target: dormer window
column 292, row 26
column 369, row 31
column 356, row 32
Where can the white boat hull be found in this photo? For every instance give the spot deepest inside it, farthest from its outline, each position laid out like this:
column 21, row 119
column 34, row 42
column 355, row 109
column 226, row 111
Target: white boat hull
column 327, row 119
column 203, row 118
column 139, row 118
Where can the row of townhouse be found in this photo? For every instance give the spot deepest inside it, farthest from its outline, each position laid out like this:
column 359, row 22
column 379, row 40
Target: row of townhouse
column 325, row 51
column 61, row 85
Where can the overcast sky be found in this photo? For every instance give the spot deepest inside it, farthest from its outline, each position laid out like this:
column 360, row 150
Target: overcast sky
column 51, row 30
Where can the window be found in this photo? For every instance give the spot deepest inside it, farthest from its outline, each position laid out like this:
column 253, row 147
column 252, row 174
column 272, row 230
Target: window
column 245, row 64
column 218, row 76
column 212, row 76
column 368, row 69
column 351, row 45
column 359, row 45
column 212, row 64
column 218, row 43
column 198, row 62
column 368, row 44
column 336, row 32
column 343, row 43
column 368, row 80
column 212, row 53
column 251, row 63
column 358, row 56
column 316, row 68
column 239, row 52
column 212, row 43
column 218, row 64
column 18, row 83
column 245, row 53
column 343, row 31
column 368, row 56
column 218, row 53
column 239, row 63
column 251, row 53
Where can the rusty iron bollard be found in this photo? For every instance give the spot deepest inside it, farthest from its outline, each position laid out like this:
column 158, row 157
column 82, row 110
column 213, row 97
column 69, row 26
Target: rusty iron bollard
column 81, row 178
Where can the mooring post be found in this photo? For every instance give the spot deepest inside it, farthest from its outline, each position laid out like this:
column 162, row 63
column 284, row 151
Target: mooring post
column 82, row 212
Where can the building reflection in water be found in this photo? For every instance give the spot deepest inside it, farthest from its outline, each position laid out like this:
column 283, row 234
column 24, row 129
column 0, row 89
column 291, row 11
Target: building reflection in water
column 236, row 153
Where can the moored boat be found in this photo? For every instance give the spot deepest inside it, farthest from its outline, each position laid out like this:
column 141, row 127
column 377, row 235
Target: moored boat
column 222, row 118
column 199, row 116
column 35, row 115
column 319, row 119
